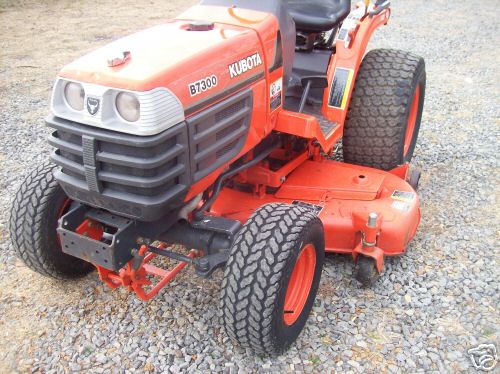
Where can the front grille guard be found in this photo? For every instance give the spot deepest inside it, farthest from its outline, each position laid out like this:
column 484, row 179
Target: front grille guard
column 144, row 177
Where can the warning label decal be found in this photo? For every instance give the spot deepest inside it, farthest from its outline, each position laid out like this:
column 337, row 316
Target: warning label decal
column 403, row 196
column 340, row 87
column 316, row 209
column 401, row 205
column 275, row 94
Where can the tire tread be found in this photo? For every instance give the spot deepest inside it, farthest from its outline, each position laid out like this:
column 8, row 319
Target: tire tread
column 30, row 230
column 255, row 267
column 376, row 117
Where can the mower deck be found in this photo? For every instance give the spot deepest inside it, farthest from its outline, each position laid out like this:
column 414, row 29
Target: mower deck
column 343, row 195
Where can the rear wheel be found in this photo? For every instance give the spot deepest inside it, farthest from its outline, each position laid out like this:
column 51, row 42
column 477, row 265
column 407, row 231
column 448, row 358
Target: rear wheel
column 383, row 120
column 272, row 277
column 37, row 207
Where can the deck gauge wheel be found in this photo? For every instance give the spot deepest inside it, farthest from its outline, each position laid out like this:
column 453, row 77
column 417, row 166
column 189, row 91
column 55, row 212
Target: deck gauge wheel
column 366, row 271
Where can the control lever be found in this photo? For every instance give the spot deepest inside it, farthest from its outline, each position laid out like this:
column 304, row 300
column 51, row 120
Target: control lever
column 380, row 5
column 308, row 83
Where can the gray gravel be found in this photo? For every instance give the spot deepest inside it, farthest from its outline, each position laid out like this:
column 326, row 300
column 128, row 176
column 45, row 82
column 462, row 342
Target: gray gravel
column 427, row 310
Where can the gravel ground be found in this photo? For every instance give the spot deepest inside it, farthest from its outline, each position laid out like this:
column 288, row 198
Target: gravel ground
column 428, row 309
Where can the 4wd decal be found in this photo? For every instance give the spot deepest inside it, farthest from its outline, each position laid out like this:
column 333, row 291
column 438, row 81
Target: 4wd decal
column 202, row 85
column 245, row 64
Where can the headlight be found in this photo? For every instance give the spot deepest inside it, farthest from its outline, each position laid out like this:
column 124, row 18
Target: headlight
column 74, row 95
column 141, row 113
column 128, row 106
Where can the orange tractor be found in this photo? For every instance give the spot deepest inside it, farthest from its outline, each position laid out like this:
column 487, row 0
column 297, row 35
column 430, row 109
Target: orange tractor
column 220, row 131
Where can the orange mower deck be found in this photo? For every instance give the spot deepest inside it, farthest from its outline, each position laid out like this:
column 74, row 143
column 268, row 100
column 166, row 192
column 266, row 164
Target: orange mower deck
column 344, row 196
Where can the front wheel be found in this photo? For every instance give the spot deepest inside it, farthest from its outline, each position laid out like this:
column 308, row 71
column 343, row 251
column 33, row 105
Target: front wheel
column 37, row 207
column 272, row 277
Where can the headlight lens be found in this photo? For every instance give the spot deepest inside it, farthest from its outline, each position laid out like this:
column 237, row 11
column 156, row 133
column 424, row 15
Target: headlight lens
column 128, row 106
column 74, row 95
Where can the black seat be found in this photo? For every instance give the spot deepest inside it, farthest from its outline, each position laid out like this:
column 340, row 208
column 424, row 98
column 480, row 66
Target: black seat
column 318, row 15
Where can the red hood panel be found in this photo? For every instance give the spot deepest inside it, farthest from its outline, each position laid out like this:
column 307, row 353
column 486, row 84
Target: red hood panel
column 171, row 56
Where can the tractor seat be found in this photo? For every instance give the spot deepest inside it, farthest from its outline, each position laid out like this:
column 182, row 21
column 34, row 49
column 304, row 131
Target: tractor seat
column 318, row 15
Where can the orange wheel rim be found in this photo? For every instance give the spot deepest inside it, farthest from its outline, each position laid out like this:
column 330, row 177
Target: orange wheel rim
column 64, row 208
column 300, row 284
column 412, row 120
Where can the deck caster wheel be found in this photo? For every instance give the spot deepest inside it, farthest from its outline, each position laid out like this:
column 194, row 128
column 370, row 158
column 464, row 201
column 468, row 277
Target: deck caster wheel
column 366, row 271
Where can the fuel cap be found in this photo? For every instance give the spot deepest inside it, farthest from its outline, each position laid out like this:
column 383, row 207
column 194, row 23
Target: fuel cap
column 200, row 25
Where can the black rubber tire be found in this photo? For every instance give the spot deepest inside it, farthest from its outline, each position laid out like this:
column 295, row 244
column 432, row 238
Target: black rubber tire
column 414, row 178
column 377, row 117
column 257, row 274
column 33, row 223
column 366, row 271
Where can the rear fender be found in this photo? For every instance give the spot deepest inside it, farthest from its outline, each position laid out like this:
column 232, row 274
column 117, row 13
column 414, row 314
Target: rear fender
column 346, row 61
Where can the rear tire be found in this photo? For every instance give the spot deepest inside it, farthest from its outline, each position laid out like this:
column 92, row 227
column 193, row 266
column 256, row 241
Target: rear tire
column 37, row 207
column 382, row 125
column 272, row 277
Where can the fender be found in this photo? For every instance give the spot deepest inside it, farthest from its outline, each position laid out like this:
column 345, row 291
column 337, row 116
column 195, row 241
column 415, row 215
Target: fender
column 349, row 57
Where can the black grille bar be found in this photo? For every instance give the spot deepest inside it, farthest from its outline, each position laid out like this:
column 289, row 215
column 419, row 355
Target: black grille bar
column 218, row 133
column 143, row 177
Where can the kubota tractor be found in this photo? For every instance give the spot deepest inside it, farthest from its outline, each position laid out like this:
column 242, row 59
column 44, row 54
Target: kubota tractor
column 218, row 131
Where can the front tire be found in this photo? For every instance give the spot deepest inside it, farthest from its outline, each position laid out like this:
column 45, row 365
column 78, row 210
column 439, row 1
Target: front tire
column 272, row 277
column 37, row 207
column 383, row 120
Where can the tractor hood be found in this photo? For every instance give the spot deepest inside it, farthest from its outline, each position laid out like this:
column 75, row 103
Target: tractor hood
column 193, row 65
